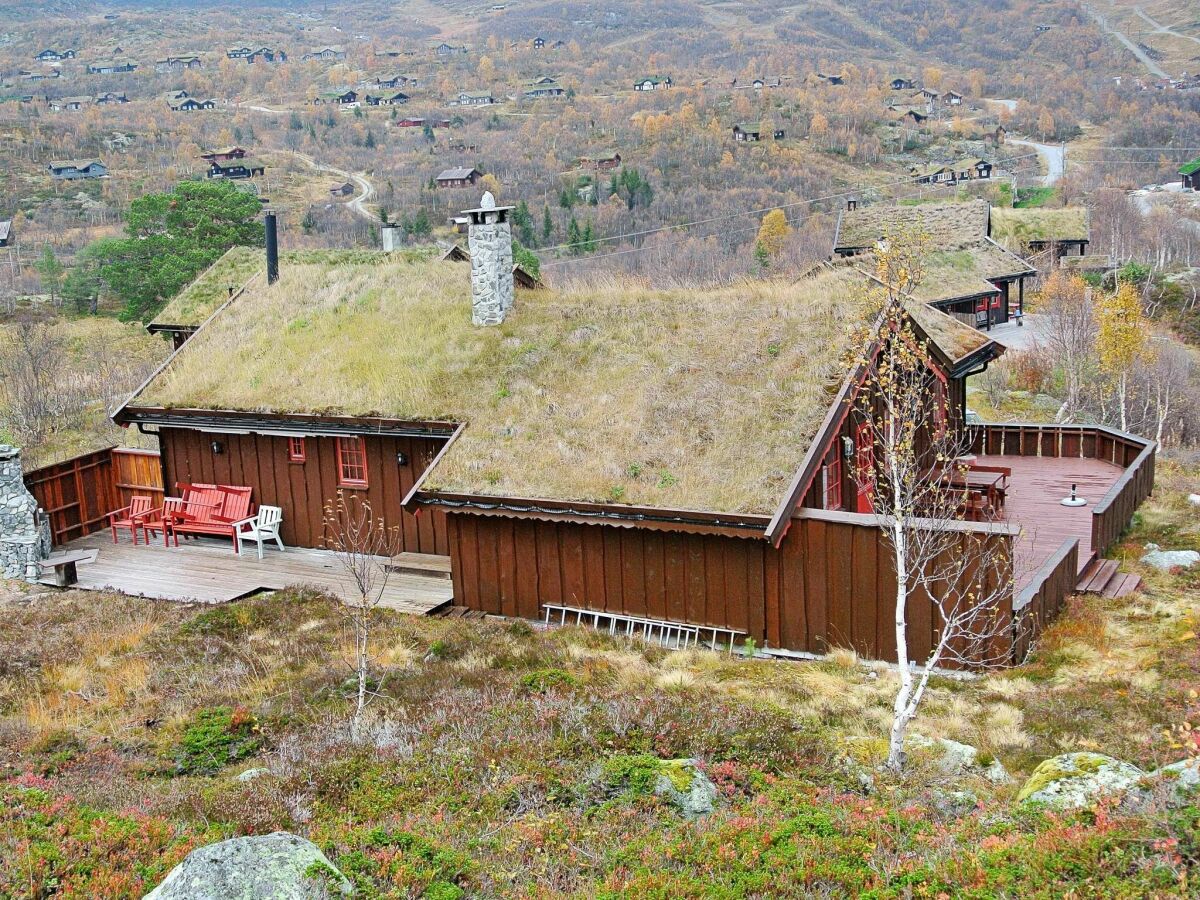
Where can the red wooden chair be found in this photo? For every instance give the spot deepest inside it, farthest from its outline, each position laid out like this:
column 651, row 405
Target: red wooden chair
column 130, row 516
column 161, row 519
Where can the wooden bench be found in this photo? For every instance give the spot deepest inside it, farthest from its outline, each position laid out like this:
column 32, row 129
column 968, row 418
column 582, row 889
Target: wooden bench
column 63, row 565
column 210, row 509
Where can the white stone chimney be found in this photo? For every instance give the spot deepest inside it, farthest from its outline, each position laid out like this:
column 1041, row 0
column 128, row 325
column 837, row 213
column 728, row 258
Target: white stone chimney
column 489, row 240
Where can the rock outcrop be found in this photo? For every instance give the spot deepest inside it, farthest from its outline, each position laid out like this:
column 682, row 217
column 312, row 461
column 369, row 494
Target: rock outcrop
column 277, row 866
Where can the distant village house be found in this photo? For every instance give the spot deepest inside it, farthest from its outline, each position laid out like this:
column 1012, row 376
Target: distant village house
column 653, row 83
column 471, row 98
column 325, row 54
column 178, row 63
column 458, row 177
column 747, row 132
column 75, row 169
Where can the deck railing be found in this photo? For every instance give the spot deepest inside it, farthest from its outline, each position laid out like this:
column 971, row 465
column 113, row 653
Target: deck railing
column 1113, row 513
column 77, row 494
column 1039, row 602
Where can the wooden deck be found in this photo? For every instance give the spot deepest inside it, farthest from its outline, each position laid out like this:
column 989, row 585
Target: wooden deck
column 1037, row 485
column 208, row 571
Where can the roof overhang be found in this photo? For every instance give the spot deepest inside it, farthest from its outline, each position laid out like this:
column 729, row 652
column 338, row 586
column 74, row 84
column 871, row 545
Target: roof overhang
column 281, row 424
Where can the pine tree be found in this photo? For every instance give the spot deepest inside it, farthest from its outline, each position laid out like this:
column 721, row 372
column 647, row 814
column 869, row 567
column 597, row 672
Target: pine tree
column 547, row 223
column 574, row 237
column 50, row 270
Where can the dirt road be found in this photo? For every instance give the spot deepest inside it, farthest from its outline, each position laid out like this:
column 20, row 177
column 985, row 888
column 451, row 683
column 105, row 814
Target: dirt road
column 1151, row 66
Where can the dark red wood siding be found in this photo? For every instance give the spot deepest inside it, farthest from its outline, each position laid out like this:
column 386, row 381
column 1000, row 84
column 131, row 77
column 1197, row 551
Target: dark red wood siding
column 303, row 489
column 830, row 584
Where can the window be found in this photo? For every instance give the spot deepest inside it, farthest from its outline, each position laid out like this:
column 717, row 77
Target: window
column 833, row 482
column 296, row 449
column 352, row 462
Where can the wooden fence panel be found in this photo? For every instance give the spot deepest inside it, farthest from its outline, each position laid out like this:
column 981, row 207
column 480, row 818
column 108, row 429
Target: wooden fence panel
column 1041, row 600
column 78, row 494
column 137, row 472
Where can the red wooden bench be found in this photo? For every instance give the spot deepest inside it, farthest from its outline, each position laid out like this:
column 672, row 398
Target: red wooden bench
column 209, row 509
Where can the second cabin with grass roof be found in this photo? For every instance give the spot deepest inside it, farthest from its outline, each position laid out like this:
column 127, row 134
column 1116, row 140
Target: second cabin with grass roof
column 683, row 455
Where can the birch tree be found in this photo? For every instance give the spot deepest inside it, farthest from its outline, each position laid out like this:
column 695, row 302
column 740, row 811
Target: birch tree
column 1071, row 335
column 364, row 546
column 1121, row 340
column 960, row 570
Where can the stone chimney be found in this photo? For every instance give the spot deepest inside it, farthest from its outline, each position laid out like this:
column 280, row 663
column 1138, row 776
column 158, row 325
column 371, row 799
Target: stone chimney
column 489, row 239
column 24, row 529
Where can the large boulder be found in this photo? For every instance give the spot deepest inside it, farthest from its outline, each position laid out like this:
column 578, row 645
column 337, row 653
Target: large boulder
column 1169, row 559
column 1182, row 780
column 277, row 866
column 1077, row 780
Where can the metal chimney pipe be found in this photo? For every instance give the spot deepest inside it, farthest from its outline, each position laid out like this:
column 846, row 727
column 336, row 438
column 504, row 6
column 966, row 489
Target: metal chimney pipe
column 272, row 249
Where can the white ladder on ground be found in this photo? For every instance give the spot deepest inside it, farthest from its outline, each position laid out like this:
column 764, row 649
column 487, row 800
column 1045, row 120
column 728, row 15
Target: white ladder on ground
column 673, row 635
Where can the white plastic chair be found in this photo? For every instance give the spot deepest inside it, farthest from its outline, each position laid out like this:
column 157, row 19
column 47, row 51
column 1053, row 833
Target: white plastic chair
column 261, row 527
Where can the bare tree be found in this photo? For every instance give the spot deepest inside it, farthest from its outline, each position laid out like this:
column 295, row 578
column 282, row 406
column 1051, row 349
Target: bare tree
column 1071, row 335
column 911, row 464
column 364, row 546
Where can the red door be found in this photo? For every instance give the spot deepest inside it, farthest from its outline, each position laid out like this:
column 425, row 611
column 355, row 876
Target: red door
column 864, row 470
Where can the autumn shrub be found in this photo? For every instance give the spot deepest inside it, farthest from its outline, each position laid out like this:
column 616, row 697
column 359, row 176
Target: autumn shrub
column 540, row 681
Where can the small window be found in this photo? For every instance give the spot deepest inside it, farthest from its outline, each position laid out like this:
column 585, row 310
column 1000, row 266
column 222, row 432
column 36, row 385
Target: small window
column 296, row 449
column 352, row 462
column 833, row 483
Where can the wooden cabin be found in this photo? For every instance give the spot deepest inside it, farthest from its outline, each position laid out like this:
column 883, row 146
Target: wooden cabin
column 969, row 274
column 1033, row 231
column 1189, row 174
column 747, row 132
column 593, row 470
column 458, row 177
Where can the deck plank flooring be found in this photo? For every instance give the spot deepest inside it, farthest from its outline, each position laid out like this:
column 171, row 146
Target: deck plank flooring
column 1037, row 486
column 208, row 571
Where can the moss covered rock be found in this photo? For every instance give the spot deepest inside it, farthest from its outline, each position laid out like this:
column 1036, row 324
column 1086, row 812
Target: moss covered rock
column 1076, row 780
column 679, row 781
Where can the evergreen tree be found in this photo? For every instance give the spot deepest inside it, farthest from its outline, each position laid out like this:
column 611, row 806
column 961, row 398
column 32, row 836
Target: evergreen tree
column 573, row 237
column 50, row 270
column 547, row 223
column 524, row 223
column 369, row 142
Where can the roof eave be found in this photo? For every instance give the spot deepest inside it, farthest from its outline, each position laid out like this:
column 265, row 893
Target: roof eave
column 584, row 512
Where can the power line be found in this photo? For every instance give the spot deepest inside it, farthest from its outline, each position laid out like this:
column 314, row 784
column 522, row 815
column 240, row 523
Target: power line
column 750, row 212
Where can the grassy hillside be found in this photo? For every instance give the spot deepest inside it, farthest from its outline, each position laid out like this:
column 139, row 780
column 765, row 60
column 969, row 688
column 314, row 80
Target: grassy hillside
column 504, row 762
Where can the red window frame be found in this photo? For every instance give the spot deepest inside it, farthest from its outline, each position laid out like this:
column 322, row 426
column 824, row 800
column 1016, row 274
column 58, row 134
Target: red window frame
column 833, row 482
column 296, row 450
column 352, row 462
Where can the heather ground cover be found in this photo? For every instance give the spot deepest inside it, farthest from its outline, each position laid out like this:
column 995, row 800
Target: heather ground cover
column 499, row 761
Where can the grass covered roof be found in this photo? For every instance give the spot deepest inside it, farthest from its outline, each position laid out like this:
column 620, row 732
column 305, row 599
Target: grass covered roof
column 1013, row 227
column 201, row 298
column 685, row 399
column 945, row 224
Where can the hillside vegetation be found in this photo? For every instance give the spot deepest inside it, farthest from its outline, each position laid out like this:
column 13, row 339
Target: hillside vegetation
column 504, row 762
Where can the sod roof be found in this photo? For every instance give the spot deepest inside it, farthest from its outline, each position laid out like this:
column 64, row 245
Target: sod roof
column 685, row 399
column 945, row 224
column 201, row 298
column 1190, row 167
column 1013, row 227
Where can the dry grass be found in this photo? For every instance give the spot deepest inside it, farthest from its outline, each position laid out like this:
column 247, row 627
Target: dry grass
column 945, row 224
column 699, row 399
column 201, row 298
column 1015, row 227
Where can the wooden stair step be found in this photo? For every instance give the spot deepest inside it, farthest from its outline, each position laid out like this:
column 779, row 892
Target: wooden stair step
column 1123, row 587
column 1099, row 581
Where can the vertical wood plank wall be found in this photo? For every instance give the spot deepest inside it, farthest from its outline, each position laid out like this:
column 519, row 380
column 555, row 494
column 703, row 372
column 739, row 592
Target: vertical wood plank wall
column 830, row 584
column 304, row 489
